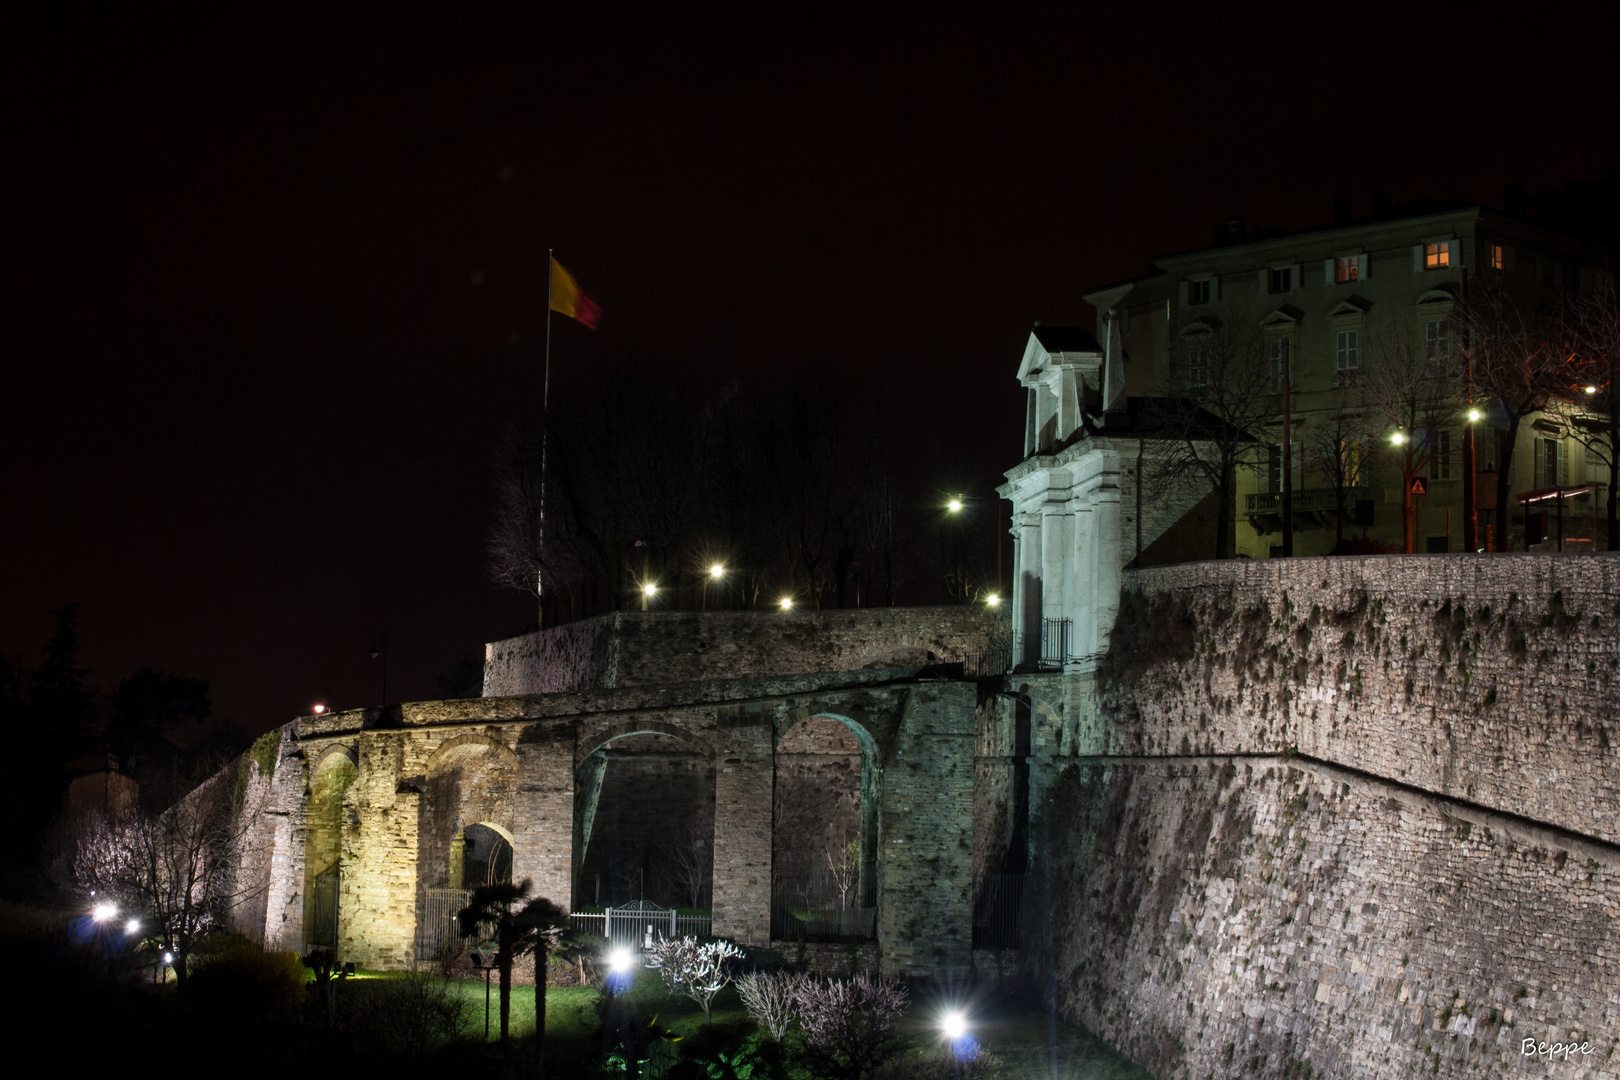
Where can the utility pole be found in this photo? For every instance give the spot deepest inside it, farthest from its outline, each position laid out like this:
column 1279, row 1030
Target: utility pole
column 1470, row 476
column 1287, row 462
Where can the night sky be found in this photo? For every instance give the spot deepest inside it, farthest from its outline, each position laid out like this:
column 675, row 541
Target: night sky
column 273, row 283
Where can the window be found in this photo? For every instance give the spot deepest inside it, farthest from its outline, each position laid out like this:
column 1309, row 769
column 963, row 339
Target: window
column 1198, row 292
column 1349, row 463
column 1498, row 257
column 1347, row 268
column 1348, row 356
column 1282, row 279
column 1436, row 343
column 1437, row 256
column 1441, row 464
column 1549, row 463
column 1198, row 366
column 1277, row 348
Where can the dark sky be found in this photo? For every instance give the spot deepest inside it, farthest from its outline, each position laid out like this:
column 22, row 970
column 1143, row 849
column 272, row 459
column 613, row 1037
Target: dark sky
column 273, row 282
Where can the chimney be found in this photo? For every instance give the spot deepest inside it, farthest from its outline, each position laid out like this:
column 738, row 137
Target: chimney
column 1381, row 204
column 1341, row 209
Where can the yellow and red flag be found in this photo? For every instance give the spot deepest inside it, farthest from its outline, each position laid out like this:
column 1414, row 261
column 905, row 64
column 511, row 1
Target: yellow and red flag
column 567, row 299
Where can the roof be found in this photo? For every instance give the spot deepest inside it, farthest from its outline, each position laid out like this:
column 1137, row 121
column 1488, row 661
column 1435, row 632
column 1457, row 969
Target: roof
column 1066, row 339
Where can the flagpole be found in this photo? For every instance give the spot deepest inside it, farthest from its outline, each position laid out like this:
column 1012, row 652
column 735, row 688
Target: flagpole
column 545, row 438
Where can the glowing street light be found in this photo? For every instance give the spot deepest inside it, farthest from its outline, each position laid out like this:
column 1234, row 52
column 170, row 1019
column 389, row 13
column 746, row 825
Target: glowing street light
column 1397, row 438
column 786, row 603
column 717, row 571
column 649, row 590
column 1591, row 389
column 993, row 600
column 955, row 505
column 132, row 927
column 319, row 709
column 106, row 911
column 1474, row 415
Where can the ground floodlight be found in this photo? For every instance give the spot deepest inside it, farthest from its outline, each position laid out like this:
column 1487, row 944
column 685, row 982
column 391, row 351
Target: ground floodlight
column 620, row 961
column 104, row 911
column 132, row 927
column 168, row 958
column 954, row 1025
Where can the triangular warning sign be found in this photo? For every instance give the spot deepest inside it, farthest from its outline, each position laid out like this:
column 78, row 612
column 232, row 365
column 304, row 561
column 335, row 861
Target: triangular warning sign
column 1420, row 485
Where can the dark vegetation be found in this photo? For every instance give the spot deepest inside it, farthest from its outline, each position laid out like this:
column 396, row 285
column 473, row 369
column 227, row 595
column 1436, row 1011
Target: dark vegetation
column 801, row 493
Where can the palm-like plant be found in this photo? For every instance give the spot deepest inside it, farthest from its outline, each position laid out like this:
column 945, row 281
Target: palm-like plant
column 532, row 929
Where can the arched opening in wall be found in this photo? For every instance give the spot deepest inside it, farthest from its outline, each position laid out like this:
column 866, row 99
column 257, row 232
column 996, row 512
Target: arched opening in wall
column 644, row 816
column 824, row 833
column 464, row 834
column 1001, row 822
column 323, row 846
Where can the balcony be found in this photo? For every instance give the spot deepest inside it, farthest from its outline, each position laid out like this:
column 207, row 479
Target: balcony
column 1314, row 508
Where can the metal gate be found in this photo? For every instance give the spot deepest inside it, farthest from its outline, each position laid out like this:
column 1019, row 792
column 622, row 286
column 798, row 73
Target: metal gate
column 436, row 927
column 323, row 929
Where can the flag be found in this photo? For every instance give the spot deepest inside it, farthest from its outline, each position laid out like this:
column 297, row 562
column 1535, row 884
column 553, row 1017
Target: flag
column 567, row 299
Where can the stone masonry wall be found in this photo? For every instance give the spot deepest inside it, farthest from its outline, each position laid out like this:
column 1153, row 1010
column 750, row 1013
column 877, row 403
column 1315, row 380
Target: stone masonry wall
column 1271, row 917
column 662, row 648
column 1494, row 680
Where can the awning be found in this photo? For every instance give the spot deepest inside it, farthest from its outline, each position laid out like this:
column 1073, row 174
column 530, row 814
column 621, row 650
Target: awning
column 1546, row 494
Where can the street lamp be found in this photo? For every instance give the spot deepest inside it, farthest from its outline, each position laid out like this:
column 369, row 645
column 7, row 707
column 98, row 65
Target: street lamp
column 993, row 600
column 786, row 603
column 717, row 572
column 106, row 911
column 319, row 709
column 1397, row 438
column 132, row 927
column 955, row 505
column 1474, row 416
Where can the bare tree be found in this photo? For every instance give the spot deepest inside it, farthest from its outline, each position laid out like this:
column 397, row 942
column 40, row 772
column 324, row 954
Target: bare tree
column 1413, row 394
column 1343, row 448
column 1518, row 360
column 179, row 873
column 689, row 865
column 1589, row 409
column 694, row 969
column 1220, row 410
column 771, row 998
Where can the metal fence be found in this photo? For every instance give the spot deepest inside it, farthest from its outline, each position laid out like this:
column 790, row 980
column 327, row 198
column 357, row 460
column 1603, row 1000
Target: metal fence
column 323, row 929
column 436, row 927
column 637, row 924
column 996, row 914
column 810, row 906
column 1052, row 651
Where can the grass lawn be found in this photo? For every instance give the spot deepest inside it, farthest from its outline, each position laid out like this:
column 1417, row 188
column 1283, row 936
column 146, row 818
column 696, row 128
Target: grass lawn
column 1026, row 1040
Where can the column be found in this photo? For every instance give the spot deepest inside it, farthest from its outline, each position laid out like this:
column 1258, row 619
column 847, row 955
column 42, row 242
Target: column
column 744, row 783
column 543, row 817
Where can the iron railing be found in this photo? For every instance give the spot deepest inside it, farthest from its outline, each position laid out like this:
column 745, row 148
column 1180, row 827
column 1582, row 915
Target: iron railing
column 637, row 924
column 809, row 905
column 436, row 926
column 996, row 914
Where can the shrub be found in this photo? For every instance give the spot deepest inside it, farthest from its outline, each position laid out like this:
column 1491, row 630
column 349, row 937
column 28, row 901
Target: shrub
column 770, row 998
column 694, row 969
column 236, row 977
column 849, row 1025
column 409, row 1016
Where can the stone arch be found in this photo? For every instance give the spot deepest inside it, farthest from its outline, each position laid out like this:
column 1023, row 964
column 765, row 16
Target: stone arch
column 469, row 779
column 330, row 776
column 644, row 810
column 472, row 854
column 813, row 784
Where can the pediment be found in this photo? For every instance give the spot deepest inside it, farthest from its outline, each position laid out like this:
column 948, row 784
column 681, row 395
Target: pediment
column 1351, row 307
column 1284, row 317
column 1201, row 326
column 1440, row 294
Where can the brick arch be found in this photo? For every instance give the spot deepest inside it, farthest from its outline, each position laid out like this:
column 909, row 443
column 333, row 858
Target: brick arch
column 331, row 749
column 868, row 795
column 643, row 727
column 437, row 760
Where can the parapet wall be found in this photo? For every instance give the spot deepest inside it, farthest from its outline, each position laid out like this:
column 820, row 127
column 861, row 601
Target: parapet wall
column 659, row 648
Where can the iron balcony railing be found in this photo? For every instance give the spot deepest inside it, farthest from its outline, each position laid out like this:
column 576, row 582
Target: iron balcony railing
column 1306, row 501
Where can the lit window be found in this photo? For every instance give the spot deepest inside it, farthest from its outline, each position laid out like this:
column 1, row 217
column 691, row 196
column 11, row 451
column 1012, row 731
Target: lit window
column 1348, row 356
column 1437, row 256
column 1498, row 257
column 1282, row 280
column 1198, row 292
column 1347, row 268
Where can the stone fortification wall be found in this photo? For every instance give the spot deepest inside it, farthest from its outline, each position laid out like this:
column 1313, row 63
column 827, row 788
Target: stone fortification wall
column 1338, row 817
column 660, row 648
column 1494, row 680
column 1270, row 917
